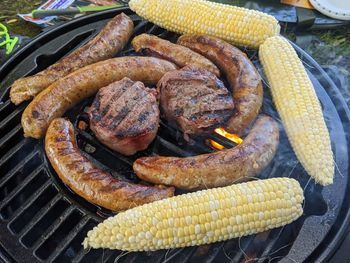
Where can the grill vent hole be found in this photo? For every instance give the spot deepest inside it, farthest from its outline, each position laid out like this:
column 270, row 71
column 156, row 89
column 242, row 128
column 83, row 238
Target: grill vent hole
column 38, row 230
column 54, row 241
column 23, row 195
column 28, row 214
column 75, row 247
column 19, row 176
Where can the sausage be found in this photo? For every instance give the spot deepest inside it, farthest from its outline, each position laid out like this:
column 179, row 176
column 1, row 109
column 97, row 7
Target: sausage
column 240, row 72
column 179, row 55
column 216, row 169
column 88, row 181
column 67, row 92
column 106, row 44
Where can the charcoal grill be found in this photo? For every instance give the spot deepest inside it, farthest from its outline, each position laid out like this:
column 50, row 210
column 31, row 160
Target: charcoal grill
column 41, row 220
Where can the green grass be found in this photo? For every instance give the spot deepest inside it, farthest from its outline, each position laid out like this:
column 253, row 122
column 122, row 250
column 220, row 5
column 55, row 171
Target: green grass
column 332, row 46
column 8, row 12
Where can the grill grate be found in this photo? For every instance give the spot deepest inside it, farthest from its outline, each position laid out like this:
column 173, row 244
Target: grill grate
column 41, row 220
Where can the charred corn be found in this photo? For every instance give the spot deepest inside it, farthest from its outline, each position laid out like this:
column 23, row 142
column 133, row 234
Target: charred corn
column 237, row 25
column 300, row 110
column 202, row 217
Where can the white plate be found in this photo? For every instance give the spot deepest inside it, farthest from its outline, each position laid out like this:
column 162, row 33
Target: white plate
column 339, row 9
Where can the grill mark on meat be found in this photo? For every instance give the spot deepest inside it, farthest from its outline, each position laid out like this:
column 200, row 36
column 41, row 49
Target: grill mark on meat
column 143, row 116
column 120, row 117
column 124, row 101
column 117, row 92
column 118, row 120
column 207, row 103
column 115, row 97
column 136, row 126
column 132, row 119
column 195, row 100
column 216, row 114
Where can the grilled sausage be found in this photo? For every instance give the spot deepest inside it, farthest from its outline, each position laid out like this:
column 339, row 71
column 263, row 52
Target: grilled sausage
column 179, row 55
column 88, row 181
column 215, row 169
column 240, row 72
column 106, row 44
column 65, row 93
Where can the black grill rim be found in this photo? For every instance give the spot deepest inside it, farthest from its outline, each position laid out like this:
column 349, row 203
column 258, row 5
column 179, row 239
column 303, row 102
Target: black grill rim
column 342, row 222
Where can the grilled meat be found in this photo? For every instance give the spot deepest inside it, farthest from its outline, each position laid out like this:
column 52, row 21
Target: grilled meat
column 215, row 169
column 125, row 116
column 194, row 100
column 65, row 93
column 240, row 72
column 88, row 181
column 107, row 43
column 179, row 55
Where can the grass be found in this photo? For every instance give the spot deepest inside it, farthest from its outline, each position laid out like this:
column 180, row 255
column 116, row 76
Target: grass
column 8, row 16
column 332, row 47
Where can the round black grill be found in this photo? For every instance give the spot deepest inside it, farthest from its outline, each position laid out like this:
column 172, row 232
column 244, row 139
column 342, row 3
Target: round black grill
column 41, row 220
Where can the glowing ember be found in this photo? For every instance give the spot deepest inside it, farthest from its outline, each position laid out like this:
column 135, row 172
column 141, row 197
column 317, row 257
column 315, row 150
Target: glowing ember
column 230, row 136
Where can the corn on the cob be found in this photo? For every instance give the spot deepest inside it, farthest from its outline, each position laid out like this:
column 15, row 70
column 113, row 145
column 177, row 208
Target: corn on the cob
column 237, row 25
column 300, row 110
column 202, row 217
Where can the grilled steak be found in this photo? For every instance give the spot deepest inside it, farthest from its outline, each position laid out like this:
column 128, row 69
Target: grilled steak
column 125, row 116
column 195, row 100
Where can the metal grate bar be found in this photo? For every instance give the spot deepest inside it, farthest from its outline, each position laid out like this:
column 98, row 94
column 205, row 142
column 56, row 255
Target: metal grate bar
column 13, row 116
column 18, row 167
column 20, row 187
column 90, row 139
column 4, row 105
column 20, row 200
column 109, row 256
column 7, row 137
column 215, row 249
column 29, row 211
column 179, row 255
column 139, row 27
column 41, row 213
column 240, row 255
column 171, row 147
column 131, row 258
column 66, row 241
column 79, row 256
column 53, row 227
column 273, row 237
column 222, row 140
column 7, row 106
column 157, row 257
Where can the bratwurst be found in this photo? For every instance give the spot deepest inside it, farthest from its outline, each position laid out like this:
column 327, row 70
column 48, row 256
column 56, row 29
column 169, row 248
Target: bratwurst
column 88, row 181
column 179, row 55
column 215, row 169
column 240, row 72
column 67, row 92
column 106, row 44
